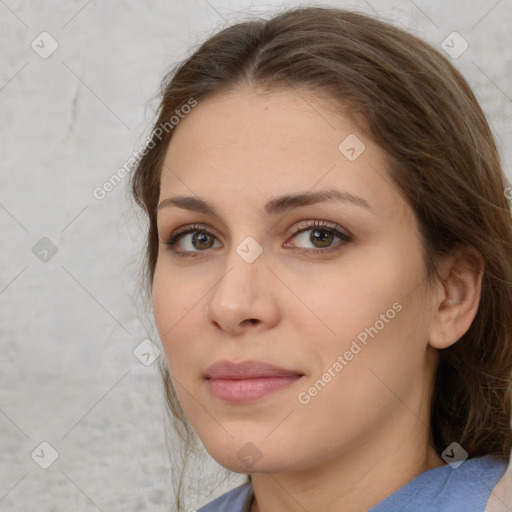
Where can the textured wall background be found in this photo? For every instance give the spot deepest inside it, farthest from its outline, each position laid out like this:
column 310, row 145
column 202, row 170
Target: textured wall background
column 70, row 320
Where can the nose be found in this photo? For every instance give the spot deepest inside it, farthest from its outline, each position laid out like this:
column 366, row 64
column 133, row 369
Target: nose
column 244, row 298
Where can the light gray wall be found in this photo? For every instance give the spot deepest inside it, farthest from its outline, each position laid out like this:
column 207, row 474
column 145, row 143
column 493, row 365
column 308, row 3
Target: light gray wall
column 69, row 325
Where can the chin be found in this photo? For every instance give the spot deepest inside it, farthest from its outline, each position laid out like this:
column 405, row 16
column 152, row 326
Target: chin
column 250, row 457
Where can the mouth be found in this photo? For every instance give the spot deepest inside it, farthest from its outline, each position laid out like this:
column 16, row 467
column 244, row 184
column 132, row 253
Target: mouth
column 247, row 381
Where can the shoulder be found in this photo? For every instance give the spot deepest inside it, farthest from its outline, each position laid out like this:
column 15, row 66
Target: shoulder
column 447, row 489
column 236, row 500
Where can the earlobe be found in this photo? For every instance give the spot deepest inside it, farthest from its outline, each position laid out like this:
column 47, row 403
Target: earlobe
column 457, row 300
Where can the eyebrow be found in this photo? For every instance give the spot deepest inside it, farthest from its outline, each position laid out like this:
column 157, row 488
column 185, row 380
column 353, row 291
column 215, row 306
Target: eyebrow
column 275, row 206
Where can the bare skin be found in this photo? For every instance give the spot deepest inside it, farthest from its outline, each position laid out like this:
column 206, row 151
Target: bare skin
column 365, row 433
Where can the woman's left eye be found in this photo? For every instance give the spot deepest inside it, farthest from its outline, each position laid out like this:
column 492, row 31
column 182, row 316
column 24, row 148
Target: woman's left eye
column 321, row 235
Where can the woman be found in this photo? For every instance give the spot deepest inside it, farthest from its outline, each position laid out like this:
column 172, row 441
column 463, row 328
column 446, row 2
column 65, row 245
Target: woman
column 329, row 260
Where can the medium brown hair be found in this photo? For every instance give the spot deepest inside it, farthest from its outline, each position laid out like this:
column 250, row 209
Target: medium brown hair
column 441, row 155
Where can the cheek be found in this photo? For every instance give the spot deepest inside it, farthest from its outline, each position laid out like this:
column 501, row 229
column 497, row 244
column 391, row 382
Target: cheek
column 377, row 321
column 352, row 298
column 174, row 317
column 175, row 305
column 381, row 336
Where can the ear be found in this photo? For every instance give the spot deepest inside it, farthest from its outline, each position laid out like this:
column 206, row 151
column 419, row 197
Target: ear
column 457, row 297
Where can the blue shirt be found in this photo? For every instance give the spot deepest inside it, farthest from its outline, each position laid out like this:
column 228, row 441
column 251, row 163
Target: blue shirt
column 443, row 489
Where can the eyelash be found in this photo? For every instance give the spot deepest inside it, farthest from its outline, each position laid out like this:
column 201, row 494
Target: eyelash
column 300, row 228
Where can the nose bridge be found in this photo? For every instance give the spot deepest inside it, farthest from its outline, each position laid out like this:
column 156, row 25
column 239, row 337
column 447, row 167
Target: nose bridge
column 241, row 292
column 242, row 270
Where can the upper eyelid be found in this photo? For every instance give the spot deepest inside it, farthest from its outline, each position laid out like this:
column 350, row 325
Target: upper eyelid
column 317, row 223
column 298, row 226
column 192, row 227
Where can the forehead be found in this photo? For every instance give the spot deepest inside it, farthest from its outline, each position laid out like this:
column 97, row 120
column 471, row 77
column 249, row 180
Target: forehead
column 248, row 146
column 283, row 119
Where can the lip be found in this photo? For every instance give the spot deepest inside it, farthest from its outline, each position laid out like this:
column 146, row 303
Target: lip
column 247, row 380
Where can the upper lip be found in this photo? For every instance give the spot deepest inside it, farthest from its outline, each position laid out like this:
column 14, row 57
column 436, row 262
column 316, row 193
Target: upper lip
column 247, row 370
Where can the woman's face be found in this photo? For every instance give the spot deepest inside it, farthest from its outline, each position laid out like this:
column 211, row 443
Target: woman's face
column 295, row 251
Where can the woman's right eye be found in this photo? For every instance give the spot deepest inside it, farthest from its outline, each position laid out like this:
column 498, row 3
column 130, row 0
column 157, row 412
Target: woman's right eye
column 191, row 240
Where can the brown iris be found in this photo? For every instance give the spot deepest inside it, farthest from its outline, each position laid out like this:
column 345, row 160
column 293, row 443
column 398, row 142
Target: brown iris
column 204, row 239
column 325, row 237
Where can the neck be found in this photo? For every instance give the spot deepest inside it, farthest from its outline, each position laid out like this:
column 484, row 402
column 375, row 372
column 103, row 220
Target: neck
column 353, row 482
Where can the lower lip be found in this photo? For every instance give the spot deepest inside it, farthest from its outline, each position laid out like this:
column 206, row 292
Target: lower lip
column 245, row 390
